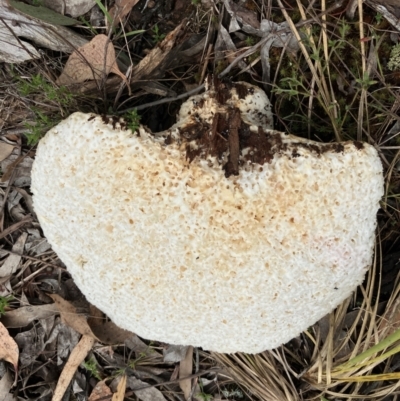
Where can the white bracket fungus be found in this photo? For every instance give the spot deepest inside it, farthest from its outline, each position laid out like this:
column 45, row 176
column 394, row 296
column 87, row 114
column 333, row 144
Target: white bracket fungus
column 220, row 232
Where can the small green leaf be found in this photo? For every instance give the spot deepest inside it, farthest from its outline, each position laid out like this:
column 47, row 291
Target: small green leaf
column 43, row 13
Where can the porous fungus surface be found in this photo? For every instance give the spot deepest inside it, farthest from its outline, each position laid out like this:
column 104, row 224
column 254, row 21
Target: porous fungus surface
column 179, row 250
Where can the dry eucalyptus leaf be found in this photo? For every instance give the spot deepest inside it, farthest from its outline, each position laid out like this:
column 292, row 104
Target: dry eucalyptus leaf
column 138, row 346
column 100, row 390
column 77, row 356
column 185, row 369
column 31, row 343
column 95, row 60
column 175, row 353
column 240, row 14
column 43, row 14
column 110, row 333
column 5, row 149
column 62, row 338
column 121, row 9
column 12, row 264
column 70, row 316
column 9, row 349
column 119, row 395
column 21, row 317
column 5, row 387
column 146, row 394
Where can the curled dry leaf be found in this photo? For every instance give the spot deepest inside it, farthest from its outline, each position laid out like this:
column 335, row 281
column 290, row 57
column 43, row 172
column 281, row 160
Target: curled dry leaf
column 9, row 349
column 70, row 316
column 94, row 60
column 240, row 14
column 77, row 356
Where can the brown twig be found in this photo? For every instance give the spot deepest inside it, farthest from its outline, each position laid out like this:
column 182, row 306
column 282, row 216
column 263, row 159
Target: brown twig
column 15, row 226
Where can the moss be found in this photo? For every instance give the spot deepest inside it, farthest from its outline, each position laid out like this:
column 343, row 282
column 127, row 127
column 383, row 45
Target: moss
column 394, row 62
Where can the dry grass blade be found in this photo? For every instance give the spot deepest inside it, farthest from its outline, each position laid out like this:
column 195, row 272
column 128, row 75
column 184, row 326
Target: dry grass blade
column 373, row 348
column 261, row 374
column 317, row 76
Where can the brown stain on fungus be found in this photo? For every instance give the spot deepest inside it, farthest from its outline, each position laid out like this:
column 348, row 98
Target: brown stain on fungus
column 358, row 145
column 226, row 137
column 232, row 167
column 242, row 91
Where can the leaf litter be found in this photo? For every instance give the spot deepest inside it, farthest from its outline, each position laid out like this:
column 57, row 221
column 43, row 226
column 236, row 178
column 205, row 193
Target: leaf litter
column 15, row 27
column 35, row 270
column 9, row 350
column 93, row 61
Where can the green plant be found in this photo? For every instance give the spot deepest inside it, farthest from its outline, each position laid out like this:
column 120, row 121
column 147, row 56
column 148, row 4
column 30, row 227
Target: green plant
column 291, row 86
column 378, row 18
column 133, row 363
column 250, row 41
column 132, row 119
column 41, row 125
column 119, row 372
column 202, row 394
column 39, row 85
column 157, row 36
column 4, row 302
column 58, row 100
column 366, row 81
column 91, row 367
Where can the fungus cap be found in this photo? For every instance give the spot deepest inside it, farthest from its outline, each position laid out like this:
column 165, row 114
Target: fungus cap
column 171, row 243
